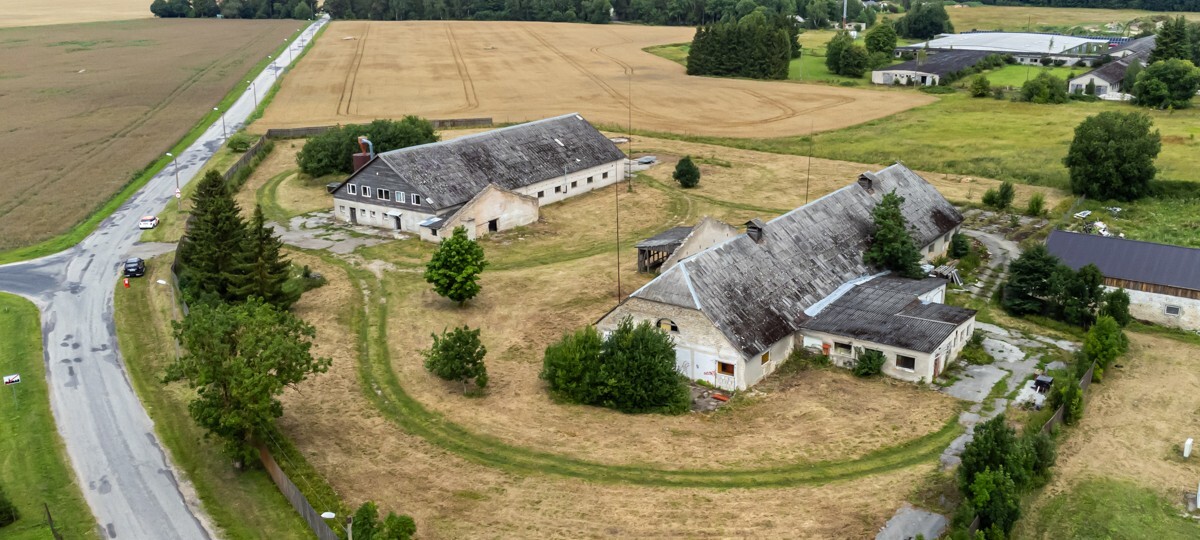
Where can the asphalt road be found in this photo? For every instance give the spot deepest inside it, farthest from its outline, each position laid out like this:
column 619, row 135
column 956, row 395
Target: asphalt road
column 128, row 481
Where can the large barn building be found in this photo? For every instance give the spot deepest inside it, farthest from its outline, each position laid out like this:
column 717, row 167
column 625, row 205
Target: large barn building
column 486, row 182
column 1027, row 48
column 1163, row 281
column 737, row 309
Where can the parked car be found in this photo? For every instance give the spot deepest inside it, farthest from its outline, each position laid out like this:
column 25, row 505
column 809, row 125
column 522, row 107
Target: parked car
column 135, row 267
column 148, row 222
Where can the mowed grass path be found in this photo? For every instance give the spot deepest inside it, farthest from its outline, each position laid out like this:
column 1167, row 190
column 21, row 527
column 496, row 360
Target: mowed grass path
column 34, row 467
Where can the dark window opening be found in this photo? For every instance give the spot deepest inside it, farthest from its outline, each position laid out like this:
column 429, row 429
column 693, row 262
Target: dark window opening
column 668, row 325
column 725, row 369
column 906, row 362
column 494, row 225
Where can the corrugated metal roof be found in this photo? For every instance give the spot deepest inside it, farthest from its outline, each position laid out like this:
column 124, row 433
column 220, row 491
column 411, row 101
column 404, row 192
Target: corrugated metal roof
column 1008, row 42
column 756, row 293
column 1133, row 260
column 941, row 63
column 669, row 237
column 450, row 173
column 886, row 311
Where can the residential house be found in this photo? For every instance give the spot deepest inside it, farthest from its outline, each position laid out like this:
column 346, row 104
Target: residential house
column 737, row 309
column 1163, row 281
column 487, row 182
column 1110, row 78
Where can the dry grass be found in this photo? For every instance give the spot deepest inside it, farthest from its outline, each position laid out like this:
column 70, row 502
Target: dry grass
column 1135, row 424
column 366, row 457
column 73, row 11
column 515, row 71
column 87, row 106
column 1019, row 18
column 281, row 159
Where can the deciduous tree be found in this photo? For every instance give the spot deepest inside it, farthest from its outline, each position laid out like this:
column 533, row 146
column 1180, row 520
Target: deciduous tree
column 1112, row 156
column 455, row 267
column 833, row 51
column 331, row 152
column 881, row 39
column 924, row 20
column 1170, row 84
column 1116, row 305
column 892, row 246
column 239, row 358
column 457, row 355
column 994, row 497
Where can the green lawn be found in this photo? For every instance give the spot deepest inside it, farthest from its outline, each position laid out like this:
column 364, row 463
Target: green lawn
column 243, row 504
column 1016, row 75
column 1111, row 509
column 33, row 463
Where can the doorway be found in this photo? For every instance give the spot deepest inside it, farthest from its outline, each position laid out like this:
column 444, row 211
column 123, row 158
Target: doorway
column 494, row 225
column 399, row 224
column 353, row 216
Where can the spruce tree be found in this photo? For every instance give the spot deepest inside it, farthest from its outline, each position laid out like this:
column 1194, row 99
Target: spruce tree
column 687, row 173
column 261, row 269
column 892, row 246
column 213, row 242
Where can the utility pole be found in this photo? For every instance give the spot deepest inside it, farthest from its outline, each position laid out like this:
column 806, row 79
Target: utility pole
column 844, row 2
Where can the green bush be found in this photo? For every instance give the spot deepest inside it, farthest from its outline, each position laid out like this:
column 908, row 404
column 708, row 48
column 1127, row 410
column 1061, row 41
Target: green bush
column 937, row 89
column 1116, row 305
column 869, row 362
column 1068, row 393
column 687, row 173
column 960, row 246
column 973, row 352
column 331, row 151
column 241, row 141
column 802, row 359
column 632, row 370
column 1037, row 205
column 457, row 355
column 8, row 510
column 393, row 527
column 1044, row 89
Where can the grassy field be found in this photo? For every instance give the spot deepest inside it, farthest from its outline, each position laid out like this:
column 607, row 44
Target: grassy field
column 810, row 67
column 1119, row 472
column 1043, row 19
column 517, row 71
column 34, row 469
column 243, row 504
column 72, row 93
column 1015, row 75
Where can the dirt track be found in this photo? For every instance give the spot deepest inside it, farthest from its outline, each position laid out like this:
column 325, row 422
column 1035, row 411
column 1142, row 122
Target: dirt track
column 514, row 71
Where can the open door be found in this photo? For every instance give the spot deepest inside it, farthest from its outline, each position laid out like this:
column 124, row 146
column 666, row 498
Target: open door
column 399, row 224
column 353, row 216
column 494, row 225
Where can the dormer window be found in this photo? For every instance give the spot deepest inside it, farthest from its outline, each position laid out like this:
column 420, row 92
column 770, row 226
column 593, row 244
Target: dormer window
column 416, row 199
column 754, row 229
column 366, row 192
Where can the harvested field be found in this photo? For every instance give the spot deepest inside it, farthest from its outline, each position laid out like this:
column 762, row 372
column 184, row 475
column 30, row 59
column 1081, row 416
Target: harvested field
column 88, row 106
column 1041, row 19
column 516, row 71
column 73, row 11
column 1132, row 430
column 367, row 457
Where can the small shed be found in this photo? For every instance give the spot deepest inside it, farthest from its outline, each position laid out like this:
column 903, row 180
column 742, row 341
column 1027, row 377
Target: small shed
column 654, row 251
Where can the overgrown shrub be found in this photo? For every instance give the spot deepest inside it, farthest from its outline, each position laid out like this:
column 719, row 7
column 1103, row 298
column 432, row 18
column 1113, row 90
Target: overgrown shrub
column 802, row 359
column 973, row 352
column 1044, row 89
column 457, row 355
column 1068, row 393
column 1116, row 305
column 8, row 510
column 937, row 89
column 241, row 141
column 869, row 362
column 1036, row 205
column 632, row 370
column 960, row 246
column 980, row 87
column 393, row 527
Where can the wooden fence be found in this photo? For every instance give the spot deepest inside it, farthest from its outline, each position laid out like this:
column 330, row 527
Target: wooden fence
column 246, row 158
column 295, row 497
column 1057, row 419
column 296, row 133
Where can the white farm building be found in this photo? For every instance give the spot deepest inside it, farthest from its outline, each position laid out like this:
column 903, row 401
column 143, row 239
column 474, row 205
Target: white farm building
column 1027, row 48
column 486, row 182
column 737, row 309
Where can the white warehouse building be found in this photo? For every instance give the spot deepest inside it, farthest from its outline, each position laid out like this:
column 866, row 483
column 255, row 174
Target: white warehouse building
column 1027, row 48
column 486, row 182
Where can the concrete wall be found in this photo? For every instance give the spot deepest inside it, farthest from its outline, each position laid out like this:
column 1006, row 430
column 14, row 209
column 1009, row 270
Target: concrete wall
column 901, row 77
column 508, row 208
column 923, row 370
column 707, row 233
column 699, row 346
column 939, row 246
column 575, row 183
column 1152, row 307
column 1079, row 85
column 375, row 215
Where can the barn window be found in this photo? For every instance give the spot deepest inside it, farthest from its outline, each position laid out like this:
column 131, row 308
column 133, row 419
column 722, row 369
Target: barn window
column 541, row 194
column 385, row 194
column 372, row 214
column 400, row 196
column 416, row 199
column 605, row 175
column 433, row 232
column 766, row 357
column 574, row 183
column 842, row 348
column 668, row 325
column 725, row 369
column 366, row 192
column 1173, row 310
column 558, row 189
column 930, row 250
column 342, row 208
column 906, row 362
column 590, row 179
column 352, row 189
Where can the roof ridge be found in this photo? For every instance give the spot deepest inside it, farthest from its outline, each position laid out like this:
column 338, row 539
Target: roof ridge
column 481, row 134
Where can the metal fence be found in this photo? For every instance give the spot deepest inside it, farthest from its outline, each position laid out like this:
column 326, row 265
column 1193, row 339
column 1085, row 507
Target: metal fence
column 450, row 123
column 295, row 497
column 1057, row 419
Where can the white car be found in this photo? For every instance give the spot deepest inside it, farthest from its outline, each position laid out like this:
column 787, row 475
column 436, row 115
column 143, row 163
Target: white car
column 148, row 222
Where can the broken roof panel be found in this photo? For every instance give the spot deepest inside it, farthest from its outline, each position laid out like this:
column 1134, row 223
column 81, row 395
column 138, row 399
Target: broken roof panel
column 756, row 292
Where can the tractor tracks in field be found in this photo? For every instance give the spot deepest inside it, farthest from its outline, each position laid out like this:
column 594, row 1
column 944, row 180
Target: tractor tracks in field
column 464, row 75
column 84, row 158
column 346, row 99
